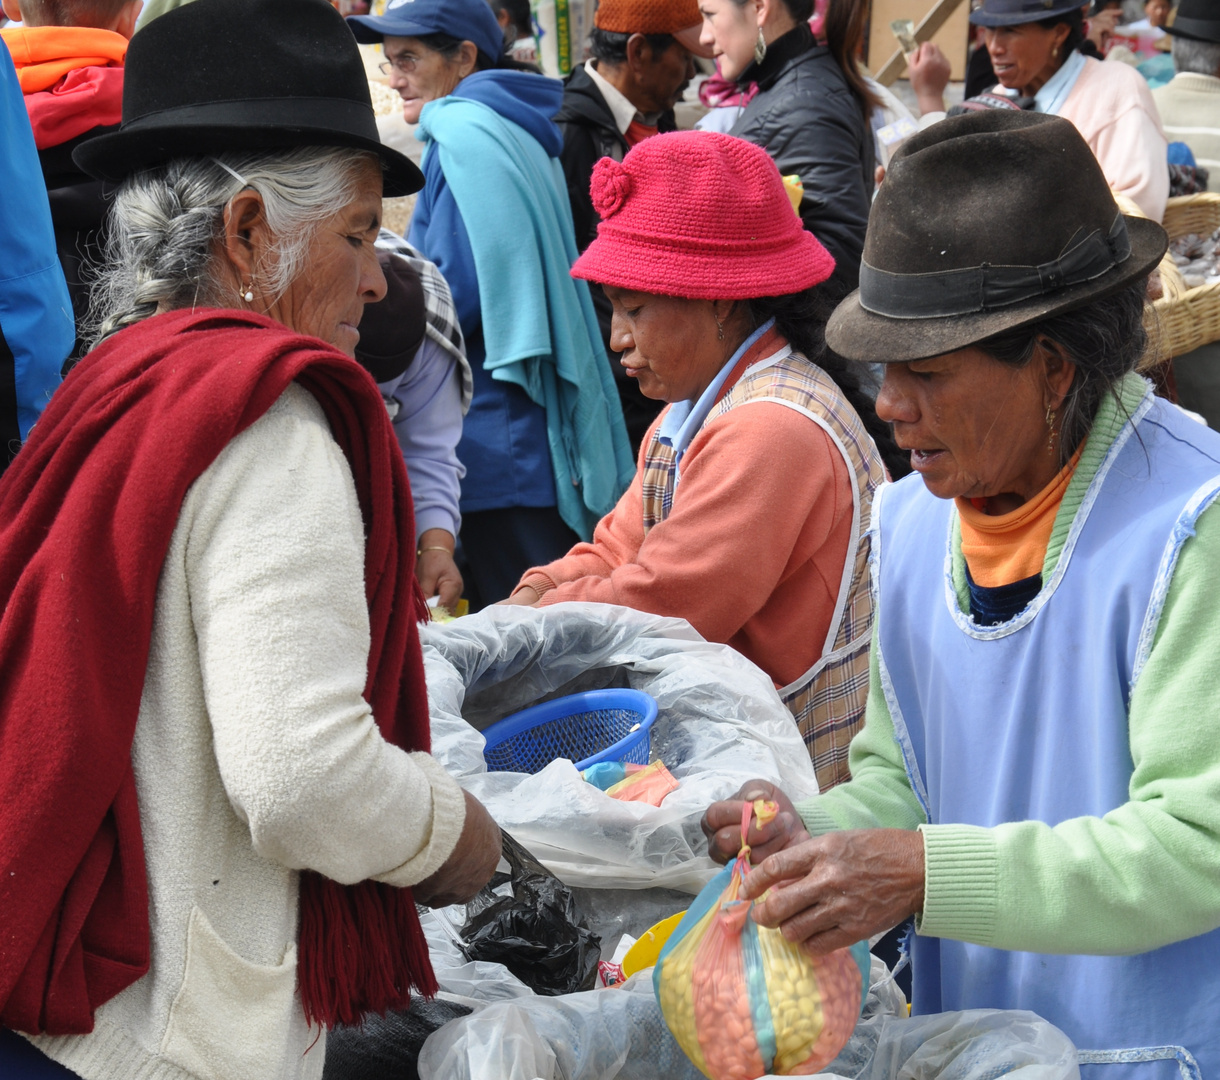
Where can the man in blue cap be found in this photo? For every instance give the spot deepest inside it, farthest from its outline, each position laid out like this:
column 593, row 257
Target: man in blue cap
column 466, row 34
column 544, row 445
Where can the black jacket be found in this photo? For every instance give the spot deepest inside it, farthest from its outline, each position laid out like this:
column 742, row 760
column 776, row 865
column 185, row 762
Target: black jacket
column 589, row 133
column 78, row 212
column 806, row 117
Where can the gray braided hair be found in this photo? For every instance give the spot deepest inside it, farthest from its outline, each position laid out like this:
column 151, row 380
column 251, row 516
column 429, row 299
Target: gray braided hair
column 166, row 224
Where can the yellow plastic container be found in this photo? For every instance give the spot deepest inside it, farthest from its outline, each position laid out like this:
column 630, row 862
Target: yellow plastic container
column 795, row 190
column 643, row 954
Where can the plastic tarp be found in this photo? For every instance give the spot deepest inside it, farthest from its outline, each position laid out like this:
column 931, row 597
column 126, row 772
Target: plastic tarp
column 619, row 1034
column 720, row 723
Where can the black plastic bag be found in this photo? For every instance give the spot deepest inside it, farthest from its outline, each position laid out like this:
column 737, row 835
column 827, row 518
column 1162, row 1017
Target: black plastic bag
column 386, row 1047
column 537, row 932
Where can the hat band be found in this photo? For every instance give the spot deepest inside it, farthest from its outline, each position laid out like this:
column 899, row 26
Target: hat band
column 306, row 113
column 982, row 288
column 1201, row 29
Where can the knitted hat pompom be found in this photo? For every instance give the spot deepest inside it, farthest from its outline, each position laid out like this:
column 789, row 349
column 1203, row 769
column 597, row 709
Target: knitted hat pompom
column 610, row 186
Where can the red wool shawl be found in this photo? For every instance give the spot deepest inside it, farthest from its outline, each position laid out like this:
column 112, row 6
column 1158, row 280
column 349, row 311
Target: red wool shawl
column 87, row 511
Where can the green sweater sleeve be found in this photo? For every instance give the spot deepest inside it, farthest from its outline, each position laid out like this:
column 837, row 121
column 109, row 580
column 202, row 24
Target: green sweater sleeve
column 879, row 794
column 1147, row 873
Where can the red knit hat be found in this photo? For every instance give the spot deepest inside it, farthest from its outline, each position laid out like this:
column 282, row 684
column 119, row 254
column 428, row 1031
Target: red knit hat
column 699, row 215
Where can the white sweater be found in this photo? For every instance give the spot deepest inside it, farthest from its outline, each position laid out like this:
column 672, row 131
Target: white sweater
column 256, row 756
column 1190, row 110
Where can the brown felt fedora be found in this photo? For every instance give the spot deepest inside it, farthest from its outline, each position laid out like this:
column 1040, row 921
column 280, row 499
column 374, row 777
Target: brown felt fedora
column 984, row 223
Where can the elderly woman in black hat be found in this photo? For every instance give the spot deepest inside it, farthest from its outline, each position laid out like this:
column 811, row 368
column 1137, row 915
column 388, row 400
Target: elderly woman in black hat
column 1190, row 103
column 544, row 443
column 1037, row 776
column 216, row 800
column 1035, row 51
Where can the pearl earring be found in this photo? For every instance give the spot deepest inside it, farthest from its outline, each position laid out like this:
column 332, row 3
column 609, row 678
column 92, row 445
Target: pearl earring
column 248, row 295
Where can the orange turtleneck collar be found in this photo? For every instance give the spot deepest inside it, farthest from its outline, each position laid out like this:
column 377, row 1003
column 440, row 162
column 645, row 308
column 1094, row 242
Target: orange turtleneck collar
column 1005, row 548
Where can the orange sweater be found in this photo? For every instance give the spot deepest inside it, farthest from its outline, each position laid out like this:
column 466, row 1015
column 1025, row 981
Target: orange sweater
column 752, row 552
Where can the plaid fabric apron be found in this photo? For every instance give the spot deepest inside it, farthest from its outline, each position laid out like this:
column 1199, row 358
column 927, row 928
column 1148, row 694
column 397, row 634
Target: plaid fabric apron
column 828, row 700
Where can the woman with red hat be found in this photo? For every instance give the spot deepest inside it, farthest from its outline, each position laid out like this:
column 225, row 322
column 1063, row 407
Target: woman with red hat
column 748, row 510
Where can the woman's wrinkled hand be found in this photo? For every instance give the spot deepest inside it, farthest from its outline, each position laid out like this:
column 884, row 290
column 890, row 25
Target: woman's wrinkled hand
column 471, row 865
column 439, row 576
column 523, row 596
column 839, row 888
column 434, row 567
column 722, row 824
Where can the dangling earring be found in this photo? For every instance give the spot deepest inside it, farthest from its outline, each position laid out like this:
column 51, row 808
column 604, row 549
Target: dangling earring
column 1050, row 423
column 248, row 295
column 719, row 330
column 760, row 48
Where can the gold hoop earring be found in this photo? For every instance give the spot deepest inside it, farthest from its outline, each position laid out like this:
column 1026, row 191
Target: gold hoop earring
column 760, row 48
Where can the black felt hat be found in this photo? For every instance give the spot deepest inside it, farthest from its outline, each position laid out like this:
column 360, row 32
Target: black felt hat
column 219, row 75
column 986, row 222
column 1017, row 12
column 1198, row 20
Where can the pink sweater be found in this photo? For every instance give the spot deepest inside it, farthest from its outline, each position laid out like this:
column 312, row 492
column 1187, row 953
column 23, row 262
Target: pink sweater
column 1113, row 109
column 752, row 552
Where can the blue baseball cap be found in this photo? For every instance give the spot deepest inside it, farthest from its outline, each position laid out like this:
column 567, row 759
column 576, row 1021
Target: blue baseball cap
column 466, row 20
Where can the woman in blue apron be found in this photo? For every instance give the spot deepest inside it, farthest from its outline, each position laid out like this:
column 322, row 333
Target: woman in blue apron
column 1037, row 777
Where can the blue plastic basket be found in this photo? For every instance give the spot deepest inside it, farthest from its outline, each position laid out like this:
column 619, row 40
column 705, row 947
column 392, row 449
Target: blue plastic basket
column 598, row 725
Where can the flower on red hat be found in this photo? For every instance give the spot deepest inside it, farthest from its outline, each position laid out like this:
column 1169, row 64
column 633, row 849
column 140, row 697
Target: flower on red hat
column 610, row 185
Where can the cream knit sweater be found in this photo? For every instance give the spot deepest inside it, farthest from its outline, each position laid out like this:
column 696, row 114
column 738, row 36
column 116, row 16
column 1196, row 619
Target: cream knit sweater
column 1190, row 110
column 256, row 756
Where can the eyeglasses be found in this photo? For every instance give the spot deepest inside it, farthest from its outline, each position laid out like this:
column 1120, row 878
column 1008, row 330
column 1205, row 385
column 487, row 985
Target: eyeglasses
column 404, row 64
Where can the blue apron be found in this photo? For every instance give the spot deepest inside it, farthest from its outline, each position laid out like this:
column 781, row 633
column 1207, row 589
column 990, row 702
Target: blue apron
column 1038, row 731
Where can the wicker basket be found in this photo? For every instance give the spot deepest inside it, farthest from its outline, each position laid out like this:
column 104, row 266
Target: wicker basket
column 1184, row 318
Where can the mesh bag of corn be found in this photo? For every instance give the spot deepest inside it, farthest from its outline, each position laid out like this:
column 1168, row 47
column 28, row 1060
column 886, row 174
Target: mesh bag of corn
column 741, row 1000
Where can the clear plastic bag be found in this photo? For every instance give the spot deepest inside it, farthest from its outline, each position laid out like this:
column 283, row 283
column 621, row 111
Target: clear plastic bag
column 620, row 1034
column 612, row 1034
column 741, row 999
column 976, row 1045
column 721, row 724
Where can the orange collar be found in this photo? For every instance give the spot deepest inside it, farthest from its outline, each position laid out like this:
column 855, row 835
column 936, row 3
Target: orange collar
column 45, row 54
column 1002, row 548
